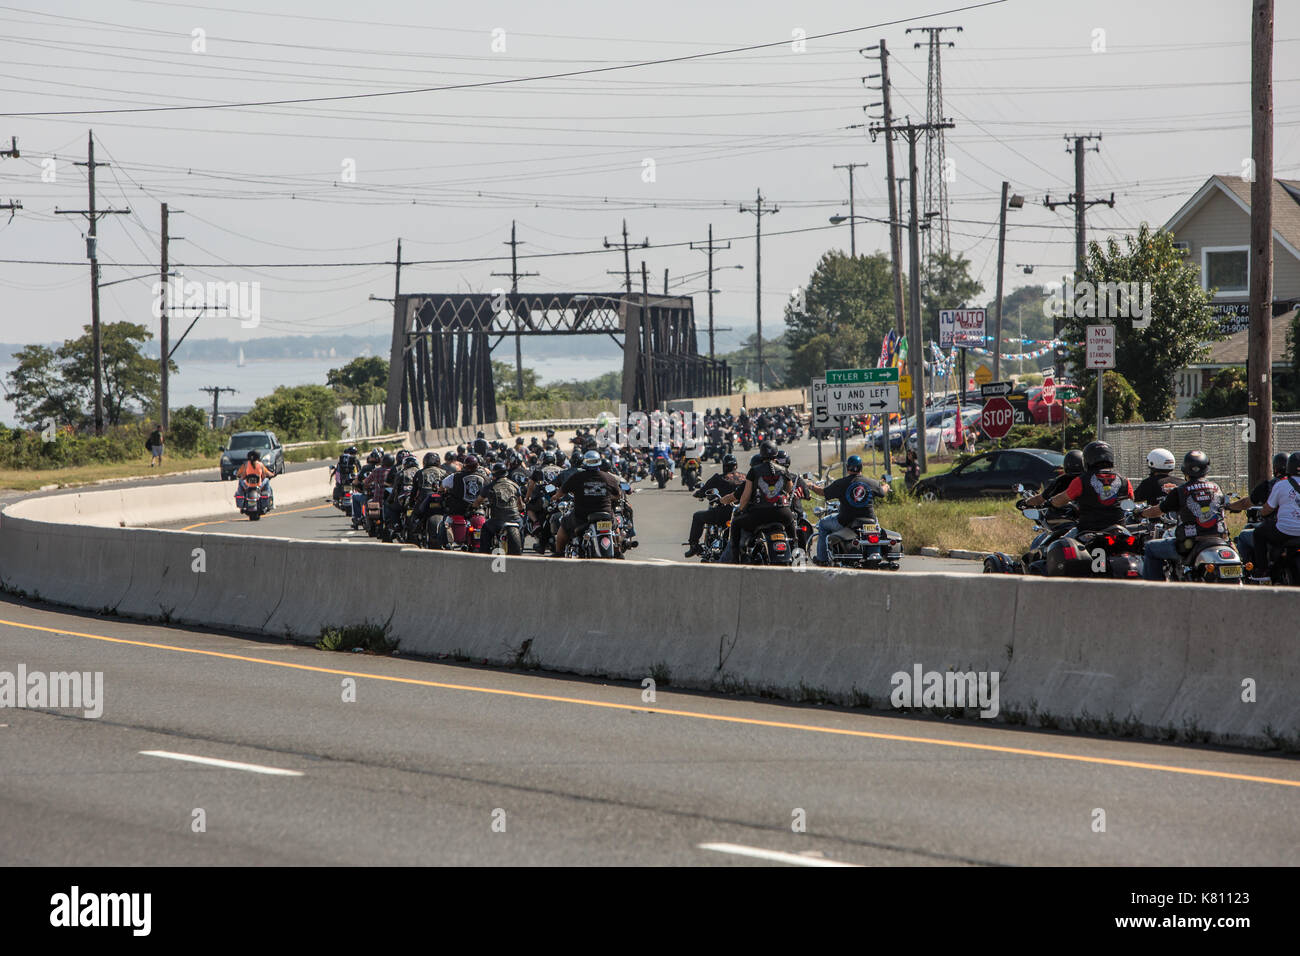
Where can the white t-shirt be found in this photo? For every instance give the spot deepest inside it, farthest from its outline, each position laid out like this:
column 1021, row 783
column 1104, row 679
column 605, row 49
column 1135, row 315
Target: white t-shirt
column 1286, row 500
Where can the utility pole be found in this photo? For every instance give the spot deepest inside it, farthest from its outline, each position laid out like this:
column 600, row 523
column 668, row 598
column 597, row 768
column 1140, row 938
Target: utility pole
column 1014, row 202
column 1259, row 360
column 515, row 275
column 164, row 416
column 895, row 201
column 647, row 346
column 853, row 223
column 1080, row 203
column 396, row 353
column 665, row 281
column 916, row 344
column 709, row 250
column 215, row 391
column 92, row 253
column 11, row 153
column 936, row 183
column 758, row 211
column 627, row 260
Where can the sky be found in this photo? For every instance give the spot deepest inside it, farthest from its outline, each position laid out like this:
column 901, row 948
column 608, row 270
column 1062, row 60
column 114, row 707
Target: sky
column 672, row 147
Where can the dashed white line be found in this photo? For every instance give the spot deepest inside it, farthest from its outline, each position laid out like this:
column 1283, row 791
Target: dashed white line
column 776, row 856
column 227, row 764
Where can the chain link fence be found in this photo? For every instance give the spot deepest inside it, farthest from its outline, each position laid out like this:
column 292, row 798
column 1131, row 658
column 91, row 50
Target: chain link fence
column 1220, row 438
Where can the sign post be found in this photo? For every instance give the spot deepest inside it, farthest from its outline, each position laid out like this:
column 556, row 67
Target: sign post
column 961, row 328
column 1100, row 356
column 853, row 392
column 820, row 418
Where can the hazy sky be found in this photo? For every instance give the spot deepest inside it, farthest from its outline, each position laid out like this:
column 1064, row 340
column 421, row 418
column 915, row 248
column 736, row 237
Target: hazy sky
column 448, row 170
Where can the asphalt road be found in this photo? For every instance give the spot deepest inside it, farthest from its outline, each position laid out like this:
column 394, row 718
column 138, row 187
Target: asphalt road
column 663, row 519
column 429, row 756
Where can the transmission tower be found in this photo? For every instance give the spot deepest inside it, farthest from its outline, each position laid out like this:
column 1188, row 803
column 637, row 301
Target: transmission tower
column 936, row 186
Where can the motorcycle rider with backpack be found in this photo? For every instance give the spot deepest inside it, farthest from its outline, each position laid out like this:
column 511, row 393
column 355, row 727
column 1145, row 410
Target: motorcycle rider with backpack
column 764, row 499
column 855, row 493
column 1199, row 504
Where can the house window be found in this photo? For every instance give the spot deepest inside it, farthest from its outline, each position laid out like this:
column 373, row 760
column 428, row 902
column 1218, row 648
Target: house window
column 1226, row 269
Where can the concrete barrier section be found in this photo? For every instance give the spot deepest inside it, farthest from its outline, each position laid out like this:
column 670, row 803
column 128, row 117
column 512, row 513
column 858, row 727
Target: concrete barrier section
column 1208, row 662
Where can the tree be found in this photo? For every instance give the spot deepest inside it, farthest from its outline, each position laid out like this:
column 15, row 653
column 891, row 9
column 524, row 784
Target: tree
column 363, row 381
column 945, row 284
column 129, row 376
column 776, row 360
column 189, row 432
column 847, row 308
column 1022, row 317
column 1120, row 402
column 301, row 413
column 39, row 390
column 1180, row 319
column 503, row 374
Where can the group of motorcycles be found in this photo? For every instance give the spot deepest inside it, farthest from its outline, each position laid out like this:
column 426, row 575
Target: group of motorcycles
column 724, row 431
column 1060, row 550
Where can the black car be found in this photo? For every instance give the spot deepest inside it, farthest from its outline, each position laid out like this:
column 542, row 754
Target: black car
column 994, row 474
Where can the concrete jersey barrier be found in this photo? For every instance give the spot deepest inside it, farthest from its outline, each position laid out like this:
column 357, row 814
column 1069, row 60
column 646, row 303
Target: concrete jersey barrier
column 1163, row 658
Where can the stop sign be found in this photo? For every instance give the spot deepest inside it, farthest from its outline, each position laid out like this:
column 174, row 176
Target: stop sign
column 996, row 418
column 1049, row 390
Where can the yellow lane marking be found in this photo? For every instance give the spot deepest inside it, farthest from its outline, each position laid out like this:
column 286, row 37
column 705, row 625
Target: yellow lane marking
column 698, row 715
column 273, row 514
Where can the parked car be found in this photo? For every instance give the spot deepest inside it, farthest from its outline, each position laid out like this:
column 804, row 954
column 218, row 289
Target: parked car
column 994, row 474
column 241, row 443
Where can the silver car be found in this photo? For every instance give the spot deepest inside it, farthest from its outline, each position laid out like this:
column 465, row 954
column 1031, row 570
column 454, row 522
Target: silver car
column 241, row 443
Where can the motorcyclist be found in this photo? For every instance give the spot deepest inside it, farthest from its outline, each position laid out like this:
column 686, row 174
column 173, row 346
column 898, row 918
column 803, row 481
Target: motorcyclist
column 460, row 489
column 1153, row 488
column 480, row 445
column 504, row 501
column 765, row 498
column 855, row 493
column 729, row 483
column 550, row 444
column 691, row 452
column 359, row 485
column 1071, row 468
column 452, row 462
column 345, row 470
column 403, row 475
column 253, row 466
column 593, row 491
column 1284, row 503
column 1199, row 504
column 544, row 474
column 663, row 452
column 1097, row 492
column 1258, row 496
column 517, row 470
column 427, row 480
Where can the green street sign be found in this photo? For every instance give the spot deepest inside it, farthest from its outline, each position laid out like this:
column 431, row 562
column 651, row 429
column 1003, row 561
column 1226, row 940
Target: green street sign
column 860, row 376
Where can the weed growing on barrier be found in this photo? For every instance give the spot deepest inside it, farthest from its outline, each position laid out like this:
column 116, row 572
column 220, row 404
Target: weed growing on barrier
column 366, row 638
column 859, row 698
column 1280, row 741
column 524, row 658
column 661, row 674
column 813, row 695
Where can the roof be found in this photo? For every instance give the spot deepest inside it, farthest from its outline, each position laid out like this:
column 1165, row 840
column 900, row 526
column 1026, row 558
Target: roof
column 1286, row 206
column 1233, row 349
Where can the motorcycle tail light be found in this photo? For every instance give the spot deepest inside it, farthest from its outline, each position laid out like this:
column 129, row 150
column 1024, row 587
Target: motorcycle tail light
column 1130, row 541
column 873, row 538
column 1068, row 552
column 1225, row 553
column 1110, row 539
column 1249, row 565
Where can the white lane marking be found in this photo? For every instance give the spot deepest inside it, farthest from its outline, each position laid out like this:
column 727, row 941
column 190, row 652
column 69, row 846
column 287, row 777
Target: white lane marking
column 776, row 856
column 228, row 764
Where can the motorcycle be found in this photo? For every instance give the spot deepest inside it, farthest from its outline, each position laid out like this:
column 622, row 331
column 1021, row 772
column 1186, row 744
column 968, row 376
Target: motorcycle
column 768, row 544
column 662, row 473
column 691, row 473
column 249, row 498
column 1059, row 550
column 1211, row 559
column 1281, row 564
column 862, row 543
column 508, row 539
column 597, row 539
column 461, row 532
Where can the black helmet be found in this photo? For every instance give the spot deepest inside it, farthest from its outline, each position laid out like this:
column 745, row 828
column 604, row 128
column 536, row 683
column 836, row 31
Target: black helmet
column 548, row 458
column 1196, row 464
column 767, row 451
column 1280, row 464
column 253, row 455
column 1073, row 464
column 755, row 461
column 854, row 464
column 479, row 435
column 452, row 456
column 351, row 450
column 1098, row 453
column 1293, row 464
column 729, row 463
column 460, row 449
column 470, row 462
column 373, row 457
column 431, row 458
column 499, row 470
column 388, row 460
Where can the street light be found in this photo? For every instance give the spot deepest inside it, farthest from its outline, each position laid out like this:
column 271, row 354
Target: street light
column 1015, row 202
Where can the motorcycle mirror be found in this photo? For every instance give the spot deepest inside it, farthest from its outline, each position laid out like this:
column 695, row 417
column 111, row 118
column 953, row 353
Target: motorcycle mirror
column 1019, row 489
column 886, row 478
column 1033, row 514
column 625, row 486
column 1128, row 504
column 550, row 489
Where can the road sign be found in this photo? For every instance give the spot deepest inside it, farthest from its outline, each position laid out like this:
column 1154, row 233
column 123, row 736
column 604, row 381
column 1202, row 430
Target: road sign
column 961, row 327
column 905, row 387
column 821, row 417
column 983, row 375
column 1049, row 372
column 995, row 388
column 1101, row 346
column 855, row 400
column 997, row 417
column 1048, row 394
column 861, row 376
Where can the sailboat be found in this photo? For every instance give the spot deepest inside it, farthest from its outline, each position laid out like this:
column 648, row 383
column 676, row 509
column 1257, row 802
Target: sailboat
column 242, row 363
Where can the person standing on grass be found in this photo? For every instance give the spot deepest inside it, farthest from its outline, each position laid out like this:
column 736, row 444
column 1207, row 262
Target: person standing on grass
column 155, row 445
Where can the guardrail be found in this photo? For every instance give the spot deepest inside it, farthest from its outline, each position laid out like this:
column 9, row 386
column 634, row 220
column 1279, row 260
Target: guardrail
column 1181, row 670
column 395, row 436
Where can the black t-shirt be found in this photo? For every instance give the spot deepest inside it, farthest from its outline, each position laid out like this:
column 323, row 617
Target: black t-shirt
column 773, row 485
column 855, row 494
column 1152, row 489
column 592, row 489
column 1259, row 494
column 726, row 484
column 1057, row 485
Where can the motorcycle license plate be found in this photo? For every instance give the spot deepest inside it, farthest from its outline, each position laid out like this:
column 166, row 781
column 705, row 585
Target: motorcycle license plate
column 604, row 526
column 1230, row 570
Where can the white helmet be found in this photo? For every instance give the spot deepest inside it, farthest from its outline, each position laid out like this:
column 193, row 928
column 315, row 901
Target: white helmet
column 1160, row 459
